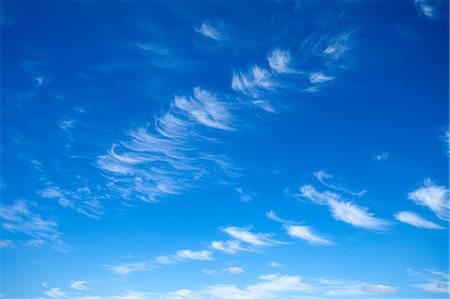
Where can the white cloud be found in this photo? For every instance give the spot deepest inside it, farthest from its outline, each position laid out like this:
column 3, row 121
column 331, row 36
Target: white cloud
column 253, row 82
column 416, row 220
column 355, row 215
column 37, row 243
column 19, row 218
column 426, row 8
column 379, row 289
column 79, row 285
column 244, row 235
column 264, row 105
column 433, row 281
column 5, row 244
column 315, row 196
column 169, row 156
column 234, row 270
column 305, row 233
column 275, row 265
column 319, row 77
column 209, row 31
column 229, row 246
column 342, row 210
column 381, row 157
column 67, row 124
column 323, row 177
column 129, row 268
column 271, row 286
column 279, row 61
column 434, row 197
column 81, row 200
column 54, row 292
column 202, row 255
column 206, row 109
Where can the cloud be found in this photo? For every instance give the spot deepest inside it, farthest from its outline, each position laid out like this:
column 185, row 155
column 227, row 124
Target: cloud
column 355, row 215
column 275, row 265
column 432, row 281
column 319, row 77
column 299, row 231
column 207, row 30
column 230, row 246
column 129, row 268
column 20, row 218
column 433, row 197
column 342, row 210
column 206, row 109
column 416, row 220
column 252, row 83
column 426, row 8
column 279, row 61
column 381, row 157
column 305, row 233
column 323, row 177
column 234, row 270
column 5, row 244
column 271, row 286
column 79, row 285
column 81, row 200
column 170, row 156
column 202, row 255
column 379, row 289
column 54, row 292
column 180, row 256
column 244, row 235
column 320, row 198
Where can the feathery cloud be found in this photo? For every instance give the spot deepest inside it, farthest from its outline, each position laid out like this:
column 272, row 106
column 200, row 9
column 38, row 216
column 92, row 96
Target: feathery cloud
column 20, row 218
column 254, row 239
column 306, row 233
column 342, row 210
column 207, row 30
column 416, row 220
column 229, row 246
column 279, row 61
column 79, row 285
column 323, row 177
column 319, row 77
column 252, row 83
column 434, row 197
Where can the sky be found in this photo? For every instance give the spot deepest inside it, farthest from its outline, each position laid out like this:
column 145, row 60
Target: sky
column 240, row 149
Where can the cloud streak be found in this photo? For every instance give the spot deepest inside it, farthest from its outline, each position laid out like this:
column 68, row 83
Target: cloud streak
column 433, row 197
column 416, row 220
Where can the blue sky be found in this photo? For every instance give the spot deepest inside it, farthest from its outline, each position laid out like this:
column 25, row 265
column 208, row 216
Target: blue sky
column 224, row 149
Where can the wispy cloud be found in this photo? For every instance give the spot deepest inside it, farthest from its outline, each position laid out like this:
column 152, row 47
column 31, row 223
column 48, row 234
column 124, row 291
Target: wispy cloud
column 234, row 270
column 20, row 218
column 178, row 257
column 253, row 82
column 343, row 210
column 255, row 239
column 434, row 197
column 279, row 61
column 79, row 285
column 319, row 78
column 208, row 30
column 5, row 244
column 431, row 281
column 206, row 109
column 381, row 157
column 416, row 220
column 169, row 156
column 355, row 215
column 323, row 177
column 305, row 233
column 302, row 232
column 426, row 8
column 81, row 200
column 229, row 246
column 54, row 292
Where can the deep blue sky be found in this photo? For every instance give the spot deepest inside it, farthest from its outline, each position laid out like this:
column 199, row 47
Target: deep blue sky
column 224, row 149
